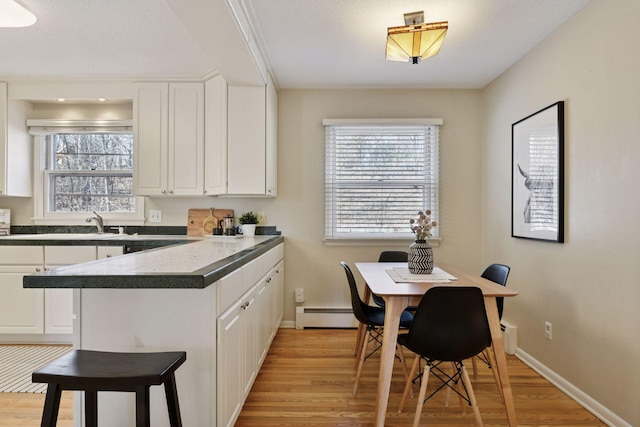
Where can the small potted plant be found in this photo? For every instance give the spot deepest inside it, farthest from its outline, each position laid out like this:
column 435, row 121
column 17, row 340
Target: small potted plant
column 248, row 220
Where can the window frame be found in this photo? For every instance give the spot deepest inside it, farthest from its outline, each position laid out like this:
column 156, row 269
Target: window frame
column 41, row 173
column 331, row 237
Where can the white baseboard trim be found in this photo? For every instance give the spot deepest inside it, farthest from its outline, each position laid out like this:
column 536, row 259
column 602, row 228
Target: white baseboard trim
column 586, row 401
column 288, row 324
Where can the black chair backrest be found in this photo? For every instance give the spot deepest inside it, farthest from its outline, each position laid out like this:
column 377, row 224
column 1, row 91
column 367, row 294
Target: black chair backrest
column 497, row 273
column 356, row 302
column 450, row 324
column 393, row 256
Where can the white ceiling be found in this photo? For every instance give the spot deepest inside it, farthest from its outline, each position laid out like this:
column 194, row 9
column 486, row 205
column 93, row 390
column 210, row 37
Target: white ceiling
column 307, row 43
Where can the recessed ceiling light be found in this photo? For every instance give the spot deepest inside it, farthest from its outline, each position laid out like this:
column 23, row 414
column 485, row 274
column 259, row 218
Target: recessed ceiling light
column 101, row 99
column 62, row 99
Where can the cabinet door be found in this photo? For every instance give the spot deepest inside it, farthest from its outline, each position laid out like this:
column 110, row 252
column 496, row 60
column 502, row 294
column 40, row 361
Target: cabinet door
column 21, row 310
column 278, row 297
column 16, row 144
column 271, row 140
column 58, row 303
column 150, row 115
column 230, row 365
column 109, row 251
column 186, row 139
column 250, row 346
column 215, row 137
column 265, row 310
column 3, row 139
column 246, row 145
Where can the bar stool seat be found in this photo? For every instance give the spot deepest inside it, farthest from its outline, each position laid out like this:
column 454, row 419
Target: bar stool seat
column 94, row 371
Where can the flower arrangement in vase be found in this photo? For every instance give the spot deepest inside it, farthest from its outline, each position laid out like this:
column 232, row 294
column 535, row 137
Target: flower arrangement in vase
column 422, row 225
column 420, row 260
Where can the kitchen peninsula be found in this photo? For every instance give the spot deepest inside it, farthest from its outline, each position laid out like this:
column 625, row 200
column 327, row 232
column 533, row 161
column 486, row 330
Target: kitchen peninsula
column 218, row 299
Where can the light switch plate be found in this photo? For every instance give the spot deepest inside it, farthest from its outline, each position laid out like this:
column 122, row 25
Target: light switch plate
column 155, row 216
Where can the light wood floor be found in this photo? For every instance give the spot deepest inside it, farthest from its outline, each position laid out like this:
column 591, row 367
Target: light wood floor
column 307, row 379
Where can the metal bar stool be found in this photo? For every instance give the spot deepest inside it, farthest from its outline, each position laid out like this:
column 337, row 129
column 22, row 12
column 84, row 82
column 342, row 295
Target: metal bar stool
column 94, row 371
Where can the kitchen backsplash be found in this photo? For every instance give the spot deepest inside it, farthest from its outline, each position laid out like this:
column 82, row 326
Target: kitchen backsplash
column 145, row 230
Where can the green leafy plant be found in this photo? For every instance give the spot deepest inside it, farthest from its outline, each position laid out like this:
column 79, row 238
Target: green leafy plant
column 248, row 218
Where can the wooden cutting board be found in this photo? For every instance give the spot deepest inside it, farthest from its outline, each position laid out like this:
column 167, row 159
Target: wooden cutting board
column 197, row 218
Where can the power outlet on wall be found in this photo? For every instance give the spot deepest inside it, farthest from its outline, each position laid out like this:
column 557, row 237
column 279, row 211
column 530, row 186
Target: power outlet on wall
column 548, row 331
column 155, row 216
column 262, row 218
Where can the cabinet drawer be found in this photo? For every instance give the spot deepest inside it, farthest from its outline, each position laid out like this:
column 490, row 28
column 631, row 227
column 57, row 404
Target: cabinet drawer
column 278, row 253
column 67, row 255
column 21, row 255
column 230, row 289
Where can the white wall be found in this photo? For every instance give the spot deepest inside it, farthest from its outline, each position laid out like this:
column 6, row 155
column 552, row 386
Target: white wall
column 299, row 209
column 588, row 287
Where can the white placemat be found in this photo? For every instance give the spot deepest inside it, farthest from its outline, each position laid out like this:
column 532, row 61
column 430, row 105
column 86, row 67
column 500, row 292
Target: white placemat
column 402, row 275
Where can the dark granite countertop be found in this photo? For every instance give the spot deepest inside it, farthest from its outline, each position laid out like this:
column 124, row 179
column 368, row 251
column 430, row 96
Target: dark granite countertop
column 194, row 265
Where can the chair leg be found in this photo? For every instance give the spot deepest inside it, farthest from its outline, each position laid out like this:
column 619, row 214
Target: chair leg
column 472, row 396
column 423, row 392
column 171, row 392
column 363, row 354
column 362, row 335
column 91, row 408
column 142, row 407
column 475, row 367
column 407, row 387
column 51, row 406
column 403, row 362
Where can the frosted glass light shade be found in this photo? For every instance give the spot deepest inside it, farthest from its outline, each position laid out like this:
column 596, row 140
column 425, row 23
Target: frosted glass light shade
column 413, row 43
column 14, row 14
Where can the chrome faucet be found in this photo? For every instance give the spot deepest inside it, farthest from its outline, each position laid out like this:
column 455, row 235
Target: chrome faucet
column 98, row 220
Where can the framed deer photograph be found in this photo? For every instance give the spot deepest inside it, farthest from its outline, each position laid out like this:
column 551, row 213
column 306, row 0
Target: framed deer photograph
column 537, row 184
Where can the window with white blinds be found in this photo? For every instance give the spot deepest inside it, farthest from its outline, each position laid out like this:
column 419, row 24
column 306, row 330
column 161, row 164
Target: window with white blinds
column 378, row 176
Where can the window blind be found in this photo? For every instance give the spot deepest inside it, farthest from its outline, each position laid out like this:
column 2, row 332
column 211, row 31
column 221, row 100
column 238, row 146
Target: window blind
column 377, row 177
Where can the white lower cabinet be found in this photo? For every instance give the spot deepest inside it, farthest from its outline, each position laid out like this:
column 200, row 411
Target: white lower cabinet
column 245, row 328
column 40, row 312
column 58, row 303
column 21, row 310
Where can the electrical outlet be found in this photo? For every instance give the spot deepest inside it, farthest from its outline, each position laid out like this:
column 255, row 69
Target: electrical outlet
column 548, row 330
column 262, row 218
column 155, row 216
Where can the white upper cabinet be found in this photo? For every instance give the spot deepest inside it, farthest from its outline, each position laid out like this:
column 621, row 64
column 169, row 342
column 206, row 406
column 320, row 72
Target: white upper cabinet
column 15, row 148
column 215, row 137
column 169, row 139
column 252, row 140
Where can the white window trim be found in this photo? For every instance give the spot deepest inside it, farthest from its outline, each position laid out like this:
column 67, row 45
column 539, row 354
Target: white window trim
column 40, row 128
column 398, row 241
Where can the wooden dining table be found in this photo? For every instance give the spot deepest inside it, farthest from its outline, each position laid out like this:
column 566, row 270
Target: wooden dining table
column 399, row 294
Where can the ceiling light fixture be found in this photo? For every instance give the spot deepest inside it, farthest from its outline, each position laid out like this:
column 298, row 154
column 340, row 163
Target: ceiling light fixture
column 13, row 14
column 415, row 41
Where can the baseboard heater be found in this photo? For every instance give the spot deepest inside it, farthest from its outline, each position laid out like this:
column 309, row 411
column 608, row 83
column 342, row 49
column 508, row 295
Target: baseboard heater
column 307, row 317
column 509, row 336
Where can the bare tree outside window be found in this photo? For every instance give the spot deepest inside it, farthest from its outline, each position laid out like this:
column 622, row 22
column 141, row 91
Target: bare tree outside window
column 91, row 172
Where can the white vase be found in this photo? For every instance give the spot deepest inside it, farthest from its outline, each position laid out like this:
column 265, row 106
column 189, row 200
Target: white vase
column 248, row 230
column 420, row 259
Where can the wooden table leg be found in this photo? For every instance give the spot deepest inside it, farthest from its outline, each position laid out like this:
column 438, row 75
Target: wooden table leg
column 497, row 346
column 394, row 306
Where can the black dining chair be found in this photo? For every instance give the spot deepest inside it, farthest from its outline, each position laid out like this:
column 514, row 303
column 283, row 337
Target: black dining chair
column 389, row 256
column 373, row 320
column 497, row 273
column 450, row 325
column 385, row 256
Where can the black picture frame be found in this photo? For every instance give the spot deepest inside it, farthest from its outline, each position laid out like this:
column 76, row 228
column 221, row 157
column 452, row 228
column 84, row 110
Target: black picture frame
column 537, row 183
